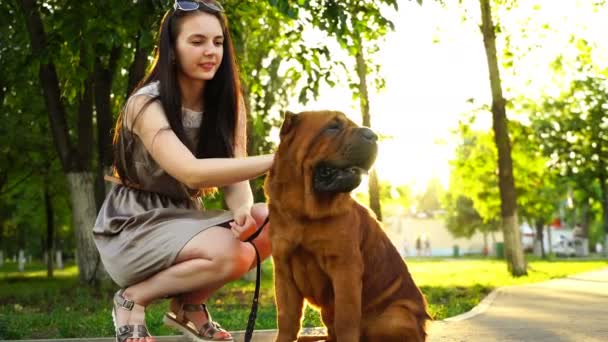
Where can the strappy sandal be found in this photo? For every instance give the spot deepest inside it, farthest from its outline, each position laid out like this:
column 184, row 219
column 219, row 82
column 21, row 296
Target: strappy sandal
column 126, row 331
column 207, row 331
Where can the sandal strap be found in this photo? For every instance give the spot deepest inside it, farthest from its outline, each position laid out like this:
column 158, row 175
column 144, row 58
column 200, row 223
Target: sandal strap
column 142, row 331
column 197, row 308
column 122, row 301
column 131, row 331
column 124, row 332
column 209, row 329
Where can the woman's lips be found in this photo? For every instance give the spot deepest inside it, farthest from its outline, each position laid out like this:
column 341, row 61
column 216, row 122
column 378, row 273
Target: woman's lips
column 207, row 66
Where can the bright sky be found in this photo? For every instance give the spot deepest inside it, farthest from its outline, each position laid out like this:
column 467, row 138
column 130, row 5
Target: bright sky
column 433, row 63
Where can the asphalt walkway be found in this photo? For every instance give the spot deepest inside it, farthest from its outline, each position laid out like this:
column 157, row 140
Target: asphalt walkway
column 572, row 309
column 562, row 310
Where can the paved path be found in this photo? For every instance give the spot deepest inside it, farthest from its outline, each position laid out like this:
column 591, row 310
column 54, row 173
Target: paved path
column 573, row 309
column 570, row 309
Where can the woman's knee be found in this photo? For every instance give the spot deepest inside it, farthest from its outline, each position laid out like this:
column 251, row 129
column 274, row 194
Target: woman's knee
column 236, row 261
column 259, row 212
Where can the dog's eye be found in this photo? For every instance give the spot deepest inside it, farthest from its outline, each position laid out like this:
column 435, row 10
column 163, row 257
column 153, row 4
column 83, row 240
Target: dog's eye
column 333, row 127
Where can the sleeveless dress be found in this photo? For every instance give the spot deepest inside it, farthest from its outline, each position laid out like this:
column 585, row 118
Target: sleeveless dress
column 140, row 231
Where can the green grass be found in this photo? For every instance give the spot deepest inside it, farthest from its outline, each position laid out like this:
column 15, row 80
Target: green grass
column 32, row 306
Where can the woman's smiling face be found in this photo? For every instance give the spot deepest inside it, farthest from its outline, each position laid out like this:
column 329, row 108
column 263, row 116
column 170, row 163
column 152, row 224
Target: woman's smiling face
column 199, row 46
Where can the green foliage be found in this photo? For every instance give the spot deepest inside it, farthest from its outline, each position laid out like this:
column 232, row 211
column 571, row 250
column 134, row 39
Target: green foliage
column 430, row 201
column 356, row 25
column 570, row 128
column 82, row 35
column 462, row 220
column 473, row 202
column 28, row 162
column 396, row 199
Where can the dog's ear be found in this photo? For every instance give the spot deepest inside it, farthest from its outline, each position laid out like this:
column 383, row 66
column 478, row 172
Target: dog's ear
column 289, row 121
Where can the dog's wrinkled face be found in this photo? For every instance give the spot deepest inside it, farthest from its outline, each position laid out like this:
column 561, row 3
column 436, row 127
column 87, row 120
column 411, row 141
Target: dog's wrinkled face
column 330, row 149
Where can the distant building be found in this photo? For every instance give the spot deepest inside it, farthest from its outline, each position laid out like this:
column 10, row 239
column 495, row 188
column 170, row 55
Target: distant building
column 403, row 232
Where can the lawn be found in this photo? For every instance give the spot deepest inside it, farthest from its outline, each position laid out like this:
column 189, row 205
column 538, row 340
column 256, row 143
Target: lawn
column 32, row 306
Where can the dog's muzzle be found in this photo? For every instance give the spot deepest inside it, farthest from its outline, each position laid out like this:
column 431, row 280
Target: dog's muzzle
column 345, row 174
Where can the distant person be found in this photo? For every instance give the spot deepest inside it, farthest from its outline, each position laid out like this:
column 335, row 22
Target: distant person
column 599, row 248
column 406, row 249
column 427, row 246
column 418, row 246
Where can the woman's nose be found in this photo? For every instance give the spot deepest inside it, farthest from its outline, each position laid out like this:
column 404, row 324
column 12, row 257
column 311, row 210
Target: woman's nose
column 208, row 49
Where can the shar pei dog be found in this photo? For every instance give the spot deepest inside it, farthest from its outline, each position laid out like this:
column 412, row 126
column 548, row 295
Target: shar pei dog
column 327, row 248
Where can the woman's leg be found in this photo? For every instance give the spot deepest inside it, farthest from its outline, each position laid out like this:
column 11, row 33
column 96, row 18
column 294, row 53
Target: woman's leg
column 208, row 261
column 259, row 212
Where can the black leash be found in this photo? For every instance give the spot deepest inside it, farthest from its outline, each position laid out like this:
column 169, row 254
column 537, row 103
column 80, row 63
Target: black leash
column 254, row 305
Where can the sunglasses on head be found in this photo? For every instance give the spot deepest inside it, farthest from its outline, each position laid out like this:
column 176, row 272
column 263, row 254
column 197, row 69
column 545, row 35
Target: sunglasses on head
column 194, row 5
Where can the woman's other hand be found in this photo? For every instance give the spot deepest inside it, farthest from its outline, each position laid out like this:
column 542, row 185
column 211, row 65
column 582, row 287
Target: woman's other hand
column 244, row 224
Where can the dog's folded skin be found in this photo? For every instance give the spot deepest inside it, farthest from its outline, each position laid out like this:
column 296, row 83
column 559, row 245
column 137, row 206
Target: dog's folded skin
column 329, row 249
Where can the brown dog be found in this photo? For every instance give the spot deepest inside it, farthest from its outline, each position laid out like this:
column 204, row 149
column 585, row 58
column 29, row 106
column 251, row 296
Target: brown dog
column 329, row 249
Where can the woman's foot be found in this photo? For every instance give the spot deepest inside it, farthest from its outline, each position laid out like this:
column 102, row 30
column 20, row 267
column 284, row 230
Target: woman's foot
column 195, row 320
column 129, row 320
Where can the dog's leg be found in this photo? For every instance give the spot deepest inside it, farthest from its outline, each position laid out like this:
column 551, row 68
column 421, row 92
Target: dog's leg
column 288, row 297
column 327, row 315
column 398, row 323
column 345, row 274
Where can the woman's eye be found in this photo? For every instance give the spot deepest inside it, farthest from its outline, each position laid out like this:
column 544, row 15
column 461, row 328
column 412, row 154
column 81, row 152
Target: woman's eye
column 197, row 42
column 219, row 43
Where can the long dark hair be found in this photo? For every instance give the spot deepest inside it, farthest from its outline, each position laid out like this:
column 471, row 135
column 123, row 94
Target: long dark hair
column 218, row 131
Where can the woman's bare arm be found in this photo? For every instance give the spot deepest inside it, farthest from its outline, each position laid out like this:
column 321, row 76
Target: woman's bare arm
column 177, row 160
column 238, row 196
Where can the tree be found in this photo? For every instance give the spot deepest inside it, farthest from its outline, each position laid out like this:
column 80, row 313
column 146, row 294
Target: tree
column 430, row 201
column 571, row 130
column 508, row 198
column 462, row 220
column 29, row 172
column 539, row 188
column 473, row 200
column 76, row 157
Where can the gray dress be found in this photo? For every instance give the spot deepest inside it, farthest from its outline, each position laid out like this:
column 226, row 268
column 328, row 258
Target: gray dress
column 140, row 232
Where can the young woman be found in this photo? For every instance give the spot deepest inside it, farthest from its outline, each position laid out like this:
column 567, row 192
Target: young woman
column 181, row 135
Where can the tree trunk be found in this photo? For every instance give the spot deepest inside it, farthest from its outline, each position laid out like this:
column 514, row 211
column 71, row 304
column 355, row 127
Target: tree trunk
column 50, row 230
column 585, row 218
column 604, row 197
column 374, row 192
column 540, row 228
column 83, row 217
column 75, row 161
column 49, row 82
column 513, row 251
column 104, row 76
column 137, row 70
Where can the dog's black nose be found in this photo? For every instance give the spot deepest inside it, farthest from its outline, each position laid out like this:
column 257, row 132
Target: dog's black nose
column 368, row 134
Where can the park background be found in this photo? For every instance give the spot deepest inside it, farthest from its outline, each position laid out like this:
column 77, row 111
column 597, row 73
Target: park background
column 415, row 71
